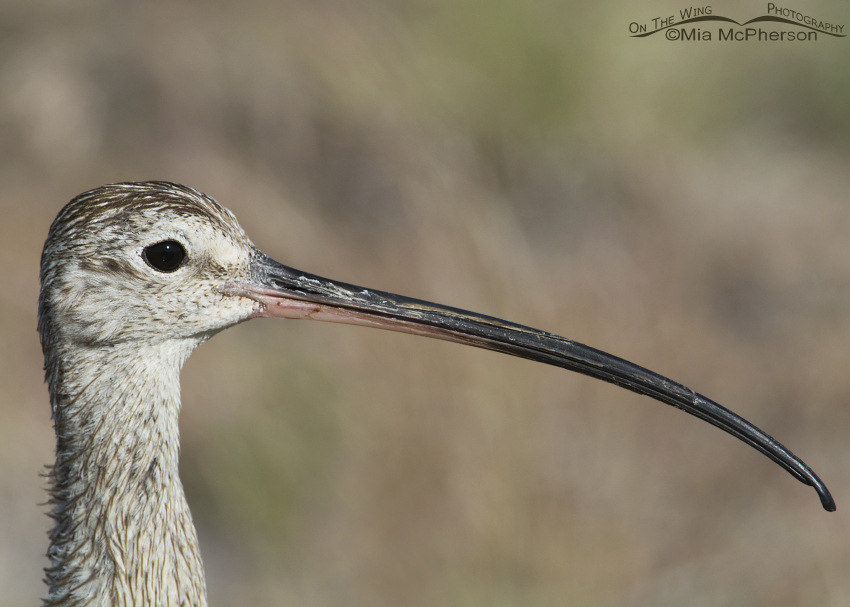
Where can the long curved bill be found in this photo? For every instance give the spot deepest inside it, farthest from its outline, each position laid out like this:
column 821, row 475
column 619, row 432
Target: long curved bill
column 288, row 293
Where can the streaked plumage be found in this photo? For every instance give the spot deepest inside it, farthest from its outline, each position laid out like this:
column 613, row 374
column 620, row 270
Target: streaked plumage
column 115, row 335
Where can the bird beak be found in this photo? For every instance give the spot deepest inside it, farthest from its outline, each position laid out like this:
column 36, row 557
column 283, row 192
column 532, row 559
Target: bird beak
column 288, row 293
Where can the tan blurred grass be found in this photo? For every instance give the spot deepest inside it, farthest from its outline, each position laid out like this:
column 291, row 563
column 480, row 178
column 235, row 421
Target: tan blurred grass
column 684, row 208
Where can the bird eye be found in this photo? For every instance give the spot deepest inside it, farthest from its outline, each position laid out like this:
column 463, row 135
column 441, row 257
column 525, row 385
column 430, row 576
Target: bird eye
column 165, row 256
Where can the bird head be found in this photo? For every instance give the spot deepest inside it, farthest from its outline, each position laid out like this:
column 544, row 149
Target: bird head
column 145, row 262
column 153, row 263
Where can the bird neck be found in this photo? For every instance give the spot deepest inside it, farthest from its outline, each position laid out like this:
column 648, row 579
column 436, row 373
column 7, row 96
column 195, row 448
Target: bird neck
column 123, row 533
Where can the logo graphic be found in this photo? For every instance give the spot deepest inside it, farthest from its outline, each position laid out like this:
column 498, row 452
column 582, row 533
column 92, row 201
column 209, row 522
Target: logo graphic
column 805, row 28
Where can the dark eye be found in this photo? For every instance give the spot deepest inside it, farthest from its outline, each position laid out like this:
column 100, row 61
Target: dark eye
column 165, row 256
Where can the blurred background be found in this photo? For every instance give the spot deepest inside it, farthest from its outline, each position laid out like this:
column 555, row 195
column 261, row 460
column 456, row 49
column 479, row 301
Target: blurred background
column 682, row 205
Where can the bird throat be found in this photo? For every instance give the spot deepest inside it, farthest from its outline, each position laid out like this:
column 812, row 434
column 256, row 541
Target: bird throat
column 123, row 532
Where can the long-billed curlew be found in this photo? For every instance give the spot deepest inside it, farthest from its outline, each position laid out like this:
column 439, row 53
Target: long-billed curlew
column 133, row 277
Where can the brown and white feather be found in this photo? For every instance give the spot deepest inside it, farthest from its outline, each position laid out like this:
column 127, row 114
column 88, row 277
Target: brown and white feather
column 115, row 334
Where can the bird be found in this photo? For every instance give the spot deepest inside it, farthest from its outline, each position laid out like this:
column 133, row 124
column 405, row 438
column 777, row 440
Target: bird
column 134, row 276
